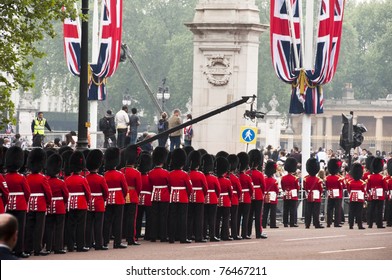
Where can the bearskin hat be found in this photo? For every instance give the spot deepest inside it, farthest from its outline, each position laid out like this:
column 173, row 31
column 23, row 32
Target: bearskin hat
column 194, row 159
column 85, row 153
column 94, row 159
column 243, row 161
column 14, row 158
column 188, row 149
column 233, row 162
column 3, row 151
column 145, row 163
column 368, row 163
column 222, row 166
column 23, row 169
column 270, row 168
column 356, row 171
column 130, row 154
column 207, row 163
column 377, row 165
column 50, row 151
column 290, row 165
column 334, row 166
column 54, row 164
column 255, row 158
column 62, row 149
column 312, row 166
column 389, row 167
column 77, row 161
column 222, row 154
column 202, row 151
column 36, row 160
column 159, row 155
column 112, row 158
column 66, row 167
column 178, row 159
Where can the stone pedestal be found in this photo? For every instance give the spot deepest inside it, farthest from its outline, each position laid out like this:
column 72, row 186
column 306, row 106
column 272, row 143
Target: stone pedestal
column 226, row 44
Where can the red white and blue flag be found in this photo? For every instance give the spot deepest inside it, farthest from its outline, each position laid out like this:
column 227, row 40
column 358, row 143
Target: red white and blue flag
column 71, row 30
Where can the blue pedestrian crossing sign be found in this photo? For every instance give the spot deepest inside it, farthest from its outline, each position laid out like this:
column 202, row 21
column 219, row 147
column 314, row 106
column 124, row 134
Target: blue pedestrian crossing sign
column 248, row 134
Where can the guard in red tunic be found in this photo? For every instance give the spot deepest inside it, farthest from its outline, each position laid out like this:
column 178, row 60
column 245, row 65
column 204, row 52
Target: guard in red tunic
column 271, row 194
column 313, row 186
column 197, row 198
column 211, row 199
column 290, row 187
column 368, row 196
column 356, row 189
column 79, row 196
column 144, row 208
column 159, row 179
column 180, row 188
column 235, row 198
column 118, row 190
column 389, row 201
column 224, row 200
column 19, row 194
column 55, row 218
column 40, row 198
column 334, row 184
column 377, row 188
column 247, row 193
column 96, row 205
column 256, row 165
column 134, row 182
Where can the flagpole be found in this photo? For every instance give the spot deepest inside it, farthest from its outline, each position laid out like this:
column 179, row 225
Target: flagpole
column 83, row 86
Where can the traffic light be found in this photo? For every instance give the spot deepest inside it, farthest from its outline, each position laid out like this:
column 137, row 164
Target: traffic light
column 346, row 137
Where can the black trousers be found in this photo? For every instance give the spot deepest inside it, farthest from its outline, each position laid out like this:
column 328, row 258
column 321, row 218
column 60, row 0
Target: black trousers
column 312, row 211
column 355, row 212
column 209, row 220
column 54, row 232
column 195, row 220
column 121, row 133
column 234, row 221
column 20, row 243
column 76, row 229
column 222, row 223
column 113, row 219
column 269, row 208
column 243, row 218
column 255, row 212
column 159, row 220
column 35, row 226
column 289, row 209
column 375, row 212
column 178, row 212
column 129, row 222
column 111, row 137
column 143, row 211
column 388, row 215
column 94, row 229
column 334, row 208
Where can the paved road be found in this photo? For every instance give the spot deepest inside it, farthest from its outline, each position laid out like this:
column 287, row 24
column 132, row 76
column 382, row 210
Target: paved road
column 282, row 244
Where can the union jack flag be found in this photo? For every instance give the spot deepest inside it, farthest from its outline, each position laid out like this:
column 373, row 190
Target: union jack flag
column 71, row 30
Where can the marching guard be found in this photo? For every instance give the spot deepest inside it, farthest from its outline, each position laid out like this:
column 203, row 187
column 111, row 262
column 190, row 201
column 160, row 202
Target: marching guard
column 271, row 194
column 235, row 198
column 334, row 183
column 356, row 188
column 247, row 193
column 290, row 187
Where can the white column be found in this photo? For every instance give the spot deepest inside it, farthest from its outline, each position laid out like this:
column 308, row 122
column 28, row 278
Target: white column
column 379, row 132
column 328, row 132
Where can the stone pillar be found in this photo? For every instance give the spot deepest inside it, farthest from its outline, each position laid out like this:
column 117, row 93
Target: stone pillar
column 379, row 132
column 319, row 133
column 328, row 132
column 225, row 68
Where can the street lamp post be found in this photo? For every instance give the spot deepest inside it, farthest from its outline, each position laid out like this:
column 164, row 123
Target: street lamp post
column 163, row 93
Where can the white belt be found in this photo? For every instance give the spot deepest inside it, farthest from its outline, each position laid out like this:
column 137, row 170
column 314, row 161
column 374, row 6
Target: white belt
column 96, row 194
column 234, row 191
column 159, row 187
column 256, row 186
column 245, row 190
column 36, row 194
column 115, row 189
column 77, row 193
column 16, row 193
column 224, row 193
column 57, row 198
column 178, row 188
column 211, row 191
column 145, row 192
column 197, row 189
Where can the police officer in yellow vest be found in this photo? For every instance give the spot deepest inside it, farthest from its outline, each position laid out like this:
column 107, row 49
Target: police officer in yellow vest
column 38, row 129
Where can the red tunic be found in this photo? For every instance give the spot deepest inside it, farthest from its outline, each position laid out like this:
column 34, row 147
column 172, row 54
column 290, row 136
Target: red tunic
column 271, row 190
column 134, row 182
column 19, row 191
column 60, row 195
column 41, row 194
column 180, row 186
column 290, row 187
column 213, row 189
column 335, row 185
column 159, row 179
column 226, row 192
column 313, row 185
column 237, row 190
column 258, row 184
column 79, row 192
column 117, row 186
column 99, row 192
column 199, row 187
column 357, row 190
column 4, row 193
column 389, row 183
column 377, row 187
column 247, row 188
column 146, row 192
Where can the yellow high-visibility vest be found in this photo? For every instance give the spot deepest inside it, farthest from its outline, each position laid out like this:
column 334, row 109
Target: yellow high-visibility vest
column 39, row 126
